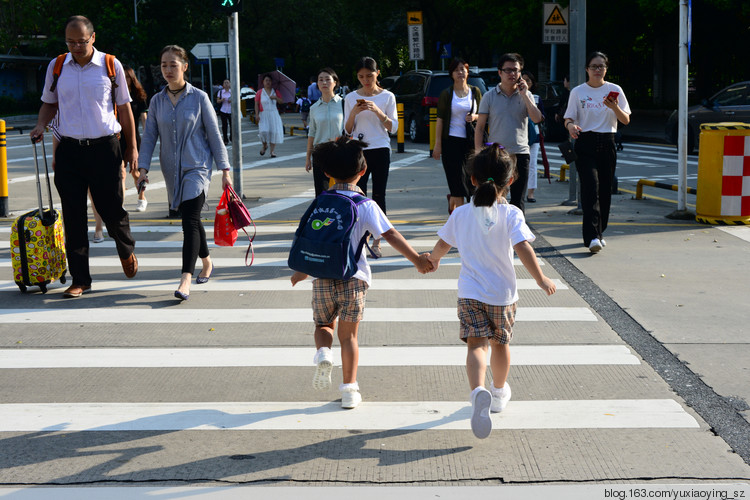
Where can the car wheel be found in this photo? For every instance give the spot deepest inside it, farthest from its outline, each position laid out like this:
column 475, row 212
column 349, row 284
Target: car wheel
column 413, row 129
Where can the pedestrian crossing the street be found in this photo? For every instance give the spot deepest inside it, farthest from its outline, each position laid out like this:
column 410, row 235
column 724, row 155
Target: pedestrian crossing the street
column 128, row 385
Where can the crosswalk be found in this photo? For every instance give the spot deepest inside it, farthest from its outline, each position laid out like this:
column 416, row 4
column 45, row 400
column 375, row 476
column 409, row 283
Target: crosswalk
column 127, row 384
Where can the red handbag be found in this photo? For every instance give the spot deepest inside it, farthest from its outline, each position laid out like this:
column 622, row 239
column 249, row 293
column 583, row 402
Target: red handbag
column 225, row 233
column 241, row 218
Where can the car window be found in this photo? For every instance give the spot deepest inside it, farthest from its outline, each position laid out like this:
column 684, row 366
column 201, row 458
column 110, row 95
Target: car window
column 739, row 95
column 408, row 84
column 438, row 83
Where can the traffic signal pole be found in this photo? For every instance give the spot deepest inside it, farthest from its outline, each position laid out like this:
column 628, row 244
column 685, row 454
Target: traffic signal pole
column 234, row 80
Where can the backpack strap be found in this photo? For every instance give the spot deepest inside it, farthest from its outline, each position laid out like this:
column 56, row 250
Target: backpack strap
column 358, row 199
column 109, row 61
column 59, row 61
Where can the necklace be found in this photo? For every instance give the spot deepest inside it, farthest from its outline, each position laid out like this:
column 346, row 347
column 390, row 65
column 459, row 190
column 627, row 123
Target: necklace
column 175, row 92
column 462, row 92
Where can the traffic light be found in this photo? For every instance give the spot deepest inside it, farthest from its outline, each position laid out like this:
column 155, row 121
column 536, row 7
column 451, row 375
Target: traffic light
column 228, row 6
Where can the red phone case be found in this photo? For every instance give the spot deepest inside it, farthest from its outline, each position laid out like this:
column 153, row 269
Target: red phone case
column 613, row 95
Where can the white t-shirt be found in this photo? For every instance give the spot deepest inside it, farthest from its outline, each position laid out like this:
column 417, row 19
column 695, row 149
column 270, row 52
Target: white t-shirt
column 226, row 106
column 487, row 272
column 460, row 107
column 369, row 218
column 586, row 107
column 367, row 123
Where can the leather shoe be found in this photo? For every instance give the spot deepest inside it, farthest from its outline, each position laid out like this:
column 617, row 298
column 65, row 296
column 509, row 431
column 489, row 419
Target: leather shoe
column 74, row 291
column 130, row 265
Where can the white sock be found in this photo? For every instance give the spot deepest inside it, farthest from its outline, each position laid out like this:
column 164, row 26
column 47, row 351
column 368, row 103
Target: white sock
column 349, row 387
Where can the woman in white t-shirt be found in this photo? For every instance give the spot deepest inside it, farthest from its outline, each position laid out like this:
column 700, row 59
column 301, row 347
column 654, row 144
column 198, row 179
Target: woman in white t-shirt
column 457, row 106
column 224, row 97
column 370, row 116
column 594, row 108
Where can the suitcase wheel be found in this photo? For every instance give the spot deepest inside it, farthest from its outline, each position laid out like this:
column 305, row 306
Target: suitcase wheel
column 63, row 279
column 43, row 288
column 22, row 287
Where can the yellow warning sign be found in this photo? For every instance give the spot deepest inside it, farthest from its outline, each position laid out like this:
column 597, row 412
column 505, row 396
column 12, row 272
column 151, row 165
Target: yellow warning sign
column 556, row 18
column 414, row 17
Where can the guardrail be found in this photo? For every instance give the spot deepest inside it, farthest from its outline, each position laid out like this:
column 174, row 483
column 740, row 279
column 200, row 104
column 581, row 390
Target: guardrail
column 660, row 185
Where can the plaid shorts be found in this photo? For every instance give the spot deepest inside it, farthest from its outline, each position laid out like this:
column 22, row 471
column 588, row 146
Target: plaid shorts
column 342, row 298
column 484, row 320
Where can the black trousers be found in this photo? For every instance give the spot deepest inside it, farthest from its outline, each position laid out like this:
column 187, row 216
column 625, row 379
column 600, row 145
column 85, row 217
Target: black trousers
column 194, row 243
column 378, row 164
column 518, row 188
column 455, row 152
column 226, row 121
column 79, row 169
column 596, row 163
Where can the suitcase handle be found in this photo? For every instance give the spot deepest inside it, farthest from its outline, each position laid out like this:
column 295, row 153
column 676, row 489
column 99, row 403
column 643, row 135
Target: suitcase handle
column 38, row 182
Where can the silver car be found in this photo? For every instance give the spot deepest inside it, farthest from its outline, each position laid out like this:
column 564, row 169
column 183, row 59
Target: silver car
column 729, row 105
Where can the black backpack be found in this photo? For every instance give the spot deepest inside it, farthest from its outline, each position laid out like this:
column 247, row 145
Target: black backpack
column 322, row 243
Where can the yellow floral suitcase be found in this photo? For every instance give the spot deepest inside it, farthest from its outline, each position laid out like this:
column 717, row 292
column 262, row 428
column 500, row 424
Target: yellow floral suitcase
column 37, row 242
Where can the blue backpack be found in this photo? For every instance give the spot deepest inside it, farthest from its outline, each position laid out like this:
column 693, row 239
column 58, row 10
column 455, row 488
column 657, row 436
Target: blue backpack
column 322, row 243
column 305, row 106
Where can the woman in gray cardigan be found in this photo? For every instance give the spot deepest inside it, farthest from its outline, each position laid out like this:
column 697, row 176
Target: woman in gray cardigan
column 457, row 106
column 183, row 119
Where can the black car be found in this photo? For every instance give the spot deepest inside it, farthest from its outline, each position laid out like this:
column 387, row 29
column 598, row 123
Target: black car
column 731, row 104
column 419, row 91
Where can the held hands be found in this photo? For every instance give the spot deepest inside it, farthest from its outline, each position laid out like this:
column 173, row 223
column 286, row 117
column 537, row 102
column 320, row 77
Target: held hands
column 424, row 265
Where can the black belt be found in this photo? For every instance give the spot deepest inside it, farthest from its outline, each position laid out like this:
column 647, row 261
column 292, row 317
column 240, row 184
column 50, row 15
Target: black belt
column 89, row 142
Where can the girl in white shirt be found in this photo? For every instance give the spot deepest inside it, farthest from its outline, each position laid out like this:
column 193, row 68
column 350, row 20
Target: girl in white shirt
column 594, row 108
column 486, row 232
column 370, row 114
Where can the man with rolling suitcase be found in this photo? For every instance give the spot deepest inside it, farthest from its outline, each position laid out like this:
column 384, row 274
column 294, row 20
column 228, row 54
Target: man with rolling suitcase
column 89, row 91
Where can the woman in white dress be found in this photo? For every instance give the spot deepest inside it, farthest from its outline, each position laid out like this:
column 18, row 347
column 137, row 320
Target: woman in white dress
column 270, row 128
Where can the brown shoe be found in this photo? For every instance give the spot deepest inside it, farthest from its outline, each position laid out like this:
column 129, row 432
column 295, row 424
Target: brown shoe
column 74, row 291
column 130, row 265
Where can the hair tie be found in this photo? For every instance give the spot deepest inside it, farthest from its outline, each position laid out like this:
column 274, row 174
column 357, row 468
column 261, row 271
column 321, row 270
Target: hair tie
column 490, row 179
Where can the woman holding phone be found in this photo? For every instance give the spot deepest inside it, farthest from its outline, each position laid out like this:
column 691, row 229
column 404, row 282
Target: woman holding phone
column 594, row 108
column 183, row 119
column 457, row 106
column 326, row 123
column 370, row 114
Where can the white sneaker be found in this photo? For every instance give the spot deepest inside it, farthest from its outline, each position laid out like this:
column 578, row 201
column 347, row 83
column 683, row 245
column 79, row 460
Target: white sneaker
column 141, row 206
column 324, row 361
column 98, row 237
column 500, row 398
column 595, row 245
column 604, row 243
column 481, row 423
column 350, row 396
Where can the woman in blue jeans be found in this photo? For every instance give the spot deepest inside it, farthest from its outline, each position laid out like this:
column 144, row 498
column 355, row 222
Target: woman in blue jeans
column 183, row 119
column 594, row 108
column 370, row 116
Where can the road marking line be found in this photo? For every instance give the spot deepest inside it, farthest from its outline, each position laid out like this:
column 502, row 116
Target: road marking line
column 742, row 232
column 276, row 285
column 181, row 315
column 245, row 416
column 213, row 357
column 239, row 261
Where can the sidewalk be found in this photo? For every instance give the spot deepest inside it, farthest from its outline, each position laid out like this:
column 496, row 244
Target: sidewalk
column 675, row 290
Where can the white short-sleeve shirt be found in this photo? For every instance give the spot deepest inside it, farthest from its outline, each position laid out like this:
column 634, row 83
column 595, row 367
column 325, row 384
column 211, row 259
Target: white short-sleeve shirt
column 487, row 272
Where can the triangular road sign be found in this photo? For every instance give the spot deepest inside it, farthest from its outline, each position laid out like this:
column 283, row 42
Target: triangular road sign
column 556, row 18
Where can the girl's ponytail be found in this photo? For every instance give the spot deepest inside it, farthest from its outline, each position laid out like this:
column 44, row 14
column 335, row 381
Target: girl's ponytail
column 493, row 169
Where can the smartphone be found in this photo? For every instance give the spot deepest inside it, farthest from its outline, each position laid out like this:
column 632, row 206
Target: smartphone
column 142, row 186
column 613, row 95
